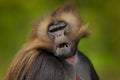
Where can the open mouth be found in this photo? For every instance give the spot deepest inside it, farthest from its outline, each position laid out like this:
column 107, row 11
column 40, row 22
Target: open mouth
column 62, row 45
column 63, row 50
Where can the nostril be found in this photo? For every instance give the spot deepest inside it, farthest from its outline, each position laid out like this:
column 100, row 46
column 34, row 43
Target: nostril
column 59, row 34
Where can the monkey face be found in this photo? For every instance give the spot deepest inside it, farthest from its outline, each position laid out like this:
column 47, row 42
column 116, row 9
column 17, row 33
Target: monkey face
column 65, row 30
column 59, row 32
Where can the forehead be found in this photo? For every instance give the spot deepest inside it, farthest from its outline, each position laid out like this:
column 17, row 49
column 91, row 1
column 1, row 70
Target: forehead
column 67, row 17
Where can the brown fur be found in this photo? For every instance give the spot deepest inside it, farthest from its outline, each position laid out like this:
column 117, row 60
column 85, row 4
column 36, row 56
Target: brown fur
column 40, row 40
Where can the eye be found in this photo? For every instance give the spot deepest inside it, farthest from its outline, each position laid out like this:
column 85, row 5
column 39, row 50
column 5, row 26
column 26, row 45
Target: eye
column 57, row 26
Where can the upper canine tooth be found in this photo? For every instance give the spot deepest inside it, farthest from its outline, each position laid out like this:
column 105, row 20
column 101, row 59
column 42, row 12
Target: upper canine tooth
column 65, row 45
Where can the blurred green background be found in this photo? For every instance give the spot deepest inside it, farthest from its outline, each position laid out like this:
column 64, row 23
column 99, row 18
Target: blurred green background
column 103, row 17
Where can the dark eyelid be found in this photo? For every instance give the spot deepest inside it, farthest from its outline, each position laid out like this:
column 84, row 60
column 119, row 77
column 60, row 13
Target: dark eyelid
column 62, row 23
column 56, row 29
column 59, row 25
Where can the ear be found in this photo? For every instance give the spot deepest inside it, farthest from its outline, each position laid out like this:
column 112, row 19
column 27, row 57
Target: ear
column 67, row 8
column 84, row 31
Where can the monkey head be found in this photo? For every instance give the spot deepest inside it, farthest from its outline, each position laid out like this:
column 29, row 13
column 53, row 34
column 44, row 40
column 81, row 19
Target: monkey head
column 61, row 32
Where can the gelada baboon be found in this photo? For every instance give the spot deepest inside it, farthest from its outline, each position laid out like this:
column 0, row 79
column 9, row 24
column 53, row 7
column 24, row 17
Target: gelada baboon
column 51, row 52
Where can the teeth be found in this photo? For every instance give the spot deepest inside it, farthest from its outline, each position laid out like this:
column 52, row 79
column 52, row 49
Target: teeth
column 65, row 45
column 57, row 47
column 62, row 46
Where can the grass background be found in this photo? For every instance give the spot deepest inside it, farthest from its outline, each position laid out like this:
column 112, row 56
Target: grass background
column 103, row 17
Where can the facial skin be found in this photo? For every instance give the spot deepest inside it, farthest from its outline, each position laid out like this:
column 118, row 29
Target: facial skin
column 59, row 32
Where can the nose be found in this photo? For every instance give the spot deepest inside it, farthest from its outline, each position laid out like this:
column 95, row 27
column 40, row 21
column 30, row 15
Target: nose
column 58, row 35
